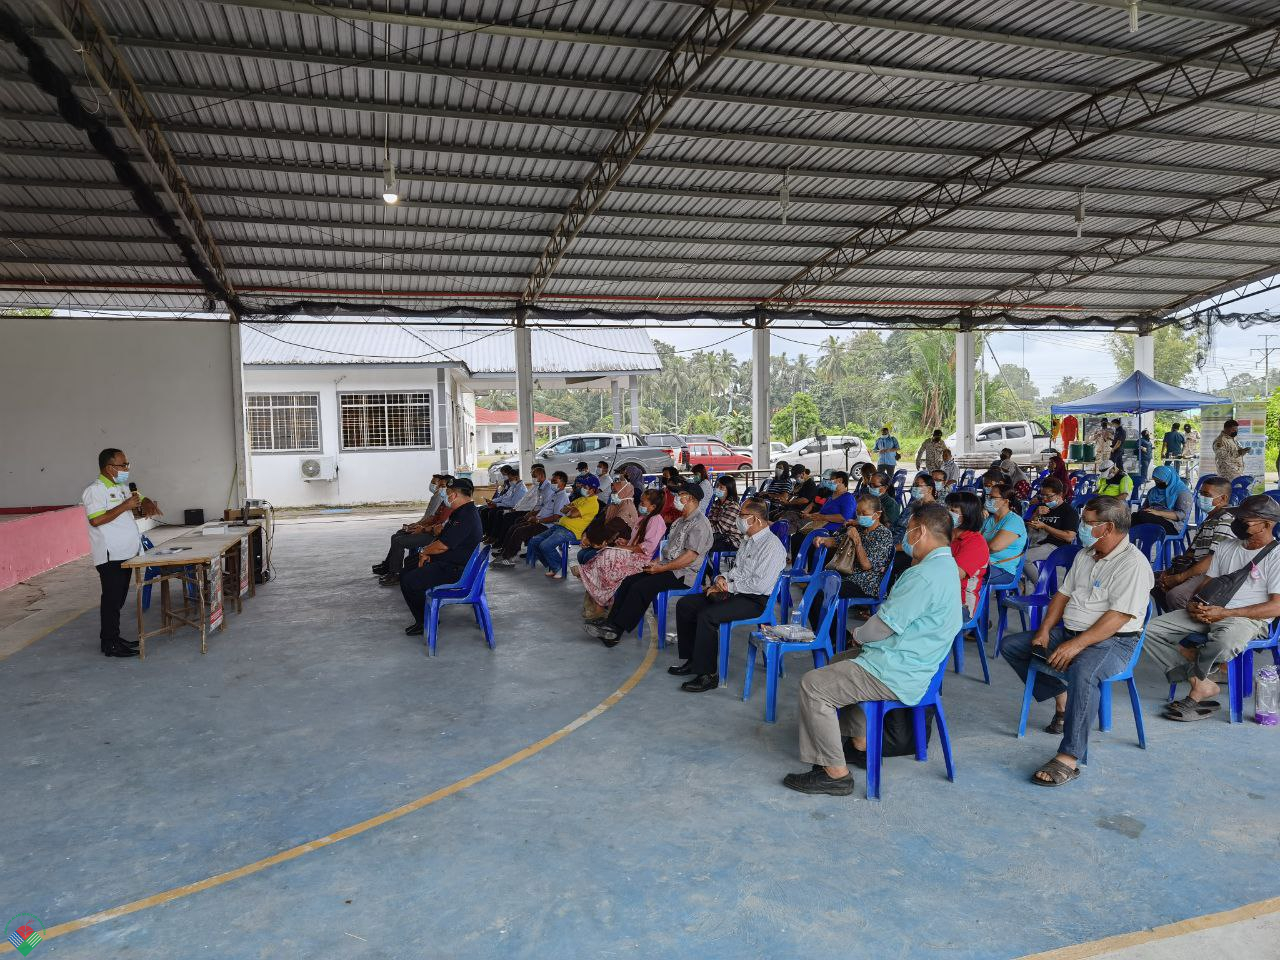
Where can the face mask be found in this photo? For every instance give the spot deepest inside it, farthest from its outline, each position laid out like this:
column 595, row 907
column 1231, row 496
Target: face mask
column 908, row 548
column 781, row 472
column 956, row 519
column 1085, row 533
column 1240, row 529
column 1160, row 486
column 643, row 510
column 917, row 493
column 432, row 488
column 1053, row 504
column 1206, row 503
column 826, row 488
column 682, row 504
column 742, row 526
column 864, row 521
column 122, row 476
column 992, row 505
column 720, row 493
column 614, row 498
column 601, row 471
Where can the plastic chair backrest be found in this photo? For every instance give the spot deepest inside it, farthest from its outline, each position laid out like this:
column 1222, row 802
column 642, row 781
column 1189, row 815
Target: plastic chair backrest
column 1240, row 489
column 1061, row 559
column 884, row 583
column 1146, row 537
column 799, row 566
column 966, row 479
column 1273, row 494
column 782, row 532
column 935, row 685
column 477, row 568
column 1137, row 647
column 468, row 578
column 830, row 586
column 816, row 585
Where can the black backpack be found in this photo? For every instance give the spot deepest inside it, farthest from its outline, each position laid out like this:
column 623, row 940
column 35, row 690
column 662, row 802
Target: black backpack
column 900, row 734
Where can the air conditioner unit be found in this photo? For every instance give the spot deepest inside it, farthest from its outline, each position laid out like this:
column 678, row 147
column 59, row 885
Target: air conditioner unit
column 319, row 468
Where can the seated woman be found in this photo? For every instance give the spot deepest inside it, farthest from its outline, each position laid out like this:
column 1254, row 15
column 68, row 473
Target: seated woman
column 724, row 515
column 1168, row 503
column 924, row 489
column 865, row 473
column 872, row 551
column 1058, row 469
column 671, row 484
column 1005, row 533
column 699, row 472
column 1116, row 483
column 615, row 563
column 618, row 520
column 968, row 547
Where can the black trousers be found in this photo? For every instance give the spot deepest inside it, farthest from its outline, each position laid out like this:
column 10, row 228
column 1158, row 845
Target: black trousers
column 518, row 536
column 848, row 590
column 415, row 582
column 698, row 620
column 634, row 595
column 489, row 517
column 722, row 544
column 400, row 542
column 115, row 590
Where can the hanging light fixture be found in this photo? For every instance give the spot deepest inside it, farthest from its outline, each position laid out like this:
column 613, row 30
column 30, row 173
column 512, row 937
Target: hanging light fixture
column 1080, row 214
column 784, row 195
column 390, row 186
column 1133, row 15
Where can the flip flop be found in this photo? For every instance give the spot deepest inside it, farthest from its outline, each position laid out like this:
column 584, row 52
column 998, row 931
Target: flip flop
column 1187, row 710
column 1058, row 772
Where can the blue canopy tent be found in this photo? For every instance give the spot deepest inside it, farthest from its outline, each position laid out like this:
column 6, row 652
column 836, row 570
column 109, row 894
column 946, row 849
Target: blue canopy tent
column 1138, row 394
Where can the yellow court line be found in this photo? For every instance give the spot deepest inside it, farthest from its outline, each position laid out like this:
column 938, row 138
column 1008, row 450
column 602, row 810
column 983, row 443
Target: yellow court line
column 293, row 853
column 1096, row 948
column 44, row 633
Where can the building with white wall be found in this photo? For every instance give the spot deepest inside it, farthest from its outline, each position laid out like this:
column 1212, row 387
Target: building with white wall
column 498, row 431
column 351, row 413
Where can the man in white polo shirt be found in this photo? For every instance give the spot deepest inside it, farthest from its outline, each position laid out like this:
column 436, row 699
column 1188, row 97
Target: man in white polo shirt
column 114, row 538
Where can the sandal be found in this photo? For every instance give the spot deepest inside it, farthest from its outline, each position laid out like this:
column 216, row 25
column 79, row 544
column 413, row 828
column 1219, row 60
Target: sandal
column 1056, row 724
column 1187, row 710
column 1057, row 772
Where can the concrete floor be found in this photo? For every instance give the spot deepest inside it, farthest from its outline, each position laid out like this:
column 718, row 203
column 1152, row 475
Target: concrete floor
column 656, row 829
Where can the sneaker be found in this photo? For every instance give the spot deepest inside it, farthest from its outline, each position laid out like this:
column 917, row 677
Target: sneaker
column 504, row 562
column 816, row 781
column 380, row 569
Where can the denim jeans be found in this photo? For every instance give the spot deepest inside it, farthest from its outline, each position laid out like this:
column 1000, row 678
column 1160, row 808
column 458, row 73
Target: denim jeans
column 997, row 576
column 585, row 555
column 546, row 546
column 1080, row 681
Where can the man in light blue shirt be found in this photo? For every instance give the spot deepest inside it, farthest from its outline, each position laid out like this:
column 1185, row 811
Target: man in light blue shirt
column 887, row 449
column 902, row 647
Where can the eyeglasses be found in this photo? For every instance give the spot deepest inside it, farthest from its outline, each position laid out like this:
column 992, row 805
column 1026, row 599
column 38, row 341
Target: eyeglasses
column 120, row 466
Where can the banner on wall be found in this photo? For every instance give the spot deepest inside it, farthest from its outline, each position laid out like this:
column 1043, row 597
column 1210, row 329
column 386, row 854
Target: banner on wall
column 1211, row 420
column 1252, row 417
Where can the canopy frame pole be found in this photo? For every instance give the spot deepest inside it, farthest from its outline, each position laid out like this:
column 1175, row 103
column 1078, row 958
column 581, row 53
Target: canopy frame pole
column 1144, row 361
column 964, row 391
column 760, row 392
column 524, row 390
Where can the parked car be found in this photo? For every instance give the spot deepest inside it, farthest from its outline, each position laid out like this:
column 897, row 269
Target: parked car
column 714, row 455
column 673, row 443
column 618, row 449
column 775, row 449
column 1028, row 439
column 828, row 454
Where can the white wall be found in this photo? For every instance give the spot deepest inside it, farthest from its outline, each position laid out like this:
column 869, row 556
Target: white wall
column 159, row 390
column 364, row 476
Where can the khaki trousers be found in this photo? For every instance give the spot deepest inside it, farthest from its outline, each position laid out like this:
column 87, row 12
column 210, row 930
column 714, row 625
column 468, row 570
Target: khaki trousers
column 841, row 683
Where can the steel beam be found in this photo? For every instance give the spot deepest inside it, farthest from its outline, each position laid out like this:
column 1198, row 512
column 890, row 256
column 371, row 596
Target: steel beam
column 1130, row 104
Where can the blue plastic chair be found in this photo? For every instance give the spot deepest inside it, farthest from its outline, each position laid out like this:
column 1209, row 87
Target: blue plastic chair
column 875, row 711
column 767, row 616
column 661, row 601
column 1172, row 544
column 531, row 557
column 1149, row 538
column 978, row 624
column 1104, row 691
column 469, row 589
column 807, row 565
column 872, row 603
column 965, row 481
column 773, row 648
column 1240, row 489
column 1000, row 594
column 1031, row 606
column 151, row 573
column 1240, row 671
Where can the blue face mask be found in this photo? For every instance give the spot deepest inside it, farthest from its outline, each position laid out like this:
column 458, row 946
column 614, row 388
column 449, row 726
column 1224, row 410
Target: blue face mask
column 908, row 549
column 1052, row 504
column 122, row 477
column 956, row 519
column 991, row 505
column 614, row 498
column 720, row 494
column 642, row 510
column 1085, row 533
column 864, row 521
column 917, row 493
column 1206, row 503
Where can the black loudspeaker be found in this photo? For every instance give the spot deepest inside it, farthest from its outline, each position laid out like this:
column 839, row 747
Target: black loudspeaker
column 193, row 518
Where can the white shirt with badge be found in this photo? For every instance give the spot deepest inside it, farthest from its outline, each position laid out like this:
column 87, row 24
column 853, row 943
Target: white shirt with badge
column 1120, row 581
column 1263, row 579
column 120, row 539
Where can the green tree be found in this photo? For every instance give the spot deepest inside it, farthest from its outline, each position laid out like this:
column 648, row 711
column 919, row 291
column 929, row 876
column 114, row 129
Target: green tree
column 1071, row 388
column 705, row 422
column 1175, row 354
column 797, row 419
column 737, row 428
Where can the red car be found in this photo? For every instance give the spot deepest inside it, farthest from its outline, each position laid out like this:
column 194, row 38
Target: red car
column 716, row 457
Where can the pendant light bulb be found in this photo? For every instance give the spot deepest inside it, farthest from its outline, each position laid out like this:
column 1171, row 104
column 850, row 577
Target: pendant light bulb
column 1133, row 15
column 390, row 188
column 1080, row 215
column 784, row 195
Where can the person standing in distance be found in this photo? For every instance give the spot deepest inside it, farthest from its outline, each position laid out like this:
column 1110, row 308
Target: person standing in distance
column 111, row 504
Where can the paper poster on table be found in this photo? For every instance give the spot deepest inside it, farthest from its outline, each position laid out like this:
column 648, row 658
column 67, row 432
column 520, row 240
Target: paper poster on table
column 1212, row 418
column 246, row 561
column 1252, row 417
column 215, row 593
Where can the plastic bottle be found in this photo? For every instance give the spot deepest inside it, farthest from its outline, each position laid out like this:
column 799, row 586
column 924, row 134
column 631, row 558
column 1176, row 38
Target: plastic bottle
column 1266, row 697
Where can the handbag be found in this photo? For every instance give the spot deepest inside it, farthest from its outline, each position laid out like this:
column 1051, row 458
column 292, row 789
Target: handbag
column 846, row 558
column 1219, row 591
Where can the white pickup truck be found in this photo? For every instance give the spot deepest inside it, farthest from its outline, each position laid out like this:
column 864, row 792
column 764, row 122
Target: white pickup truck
column 1028, row 439
column 618, row 449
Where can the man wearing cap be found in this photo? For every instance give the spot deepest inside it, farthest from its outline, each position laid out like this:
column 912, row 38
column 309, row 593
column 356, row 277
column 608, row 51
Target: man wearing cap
column 688, row 540
column 569, row 528
column 443, row 560
column 1221, row 631
column 887, row 449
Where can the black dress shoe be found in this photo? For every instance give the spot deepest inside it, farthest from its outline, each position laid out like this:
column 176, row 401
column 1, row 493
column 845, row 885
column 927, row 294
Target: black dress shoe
column 817, row 781
column 701, row 683
column 681, row 669
column 854, row 756
column 380, row 568
column 413, row 630
column 389, row 580
column 120, row 650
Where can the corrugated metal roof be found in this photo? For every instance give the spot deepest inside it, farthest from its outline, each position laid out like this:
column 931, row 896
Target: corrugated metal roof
column 483, row 352
column 277, row 112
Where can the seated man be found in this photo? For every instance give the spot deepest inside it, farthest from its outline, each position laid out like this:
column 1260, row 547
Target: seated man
column 501, row 499
column 1089, row 631
column 552, row 503
column 524, row 504
column 582, row 509
column 897, row 652
column 739, row 594
column 890, row 509
column 688, row 540
column 1175, row 586
column 1222, row 630
column 832, row 515
column 950, row 469
column 582, row 472
column 417, row 534
column 1053, row 525
column 443, row 560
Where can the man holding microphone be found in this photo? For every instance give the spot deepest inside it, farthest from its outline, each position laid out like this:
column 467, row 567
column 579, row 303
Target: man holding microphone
column 111, row 503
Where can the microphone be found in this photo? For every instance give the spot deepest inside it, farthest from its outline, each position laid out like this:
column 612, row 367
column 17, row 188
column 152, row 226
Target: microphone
column 133, row 487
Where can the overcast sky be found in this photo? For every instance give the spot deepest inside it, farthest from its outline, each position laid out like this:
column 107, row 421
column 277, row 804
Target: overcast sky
column 1049, row 356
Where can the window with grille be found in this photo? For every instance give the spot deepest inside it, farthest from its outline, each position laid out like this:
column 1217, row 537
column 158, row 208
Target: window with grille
column 385, row 420
column 504, row 436
column 283, row 422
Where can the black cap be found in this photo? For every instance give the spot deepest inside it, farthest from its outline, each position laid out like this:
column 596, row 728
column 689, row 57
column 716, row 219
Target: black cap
column 693, row 490
column 1259, row 507
column 463, row 486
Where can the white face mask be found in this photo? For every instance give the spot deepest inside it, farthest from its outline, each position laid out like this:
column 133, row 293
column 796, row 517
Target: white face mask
column 743, row 527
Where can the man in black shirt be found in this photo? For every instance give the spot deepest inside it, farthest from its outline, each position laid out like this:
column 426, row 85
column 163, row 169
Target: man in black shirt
column 443, row 561
column 802, row 494
column 1053, row 524
column 1117, row 442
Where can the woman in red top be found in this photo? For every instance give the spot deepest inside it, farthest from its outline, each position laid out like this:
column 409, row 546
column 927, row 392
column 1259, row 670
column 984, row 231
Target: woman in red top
column 671, row 482
column 968, row 547
column 1059, row 469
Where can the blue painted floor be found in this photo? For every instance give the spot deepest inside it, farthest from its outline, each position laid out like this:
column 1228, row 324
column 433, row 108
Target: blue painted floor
column 658, row 829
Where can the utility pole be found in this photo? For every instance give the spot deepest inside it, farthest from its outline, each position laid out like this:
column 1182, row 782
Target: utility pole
column 1265, row 350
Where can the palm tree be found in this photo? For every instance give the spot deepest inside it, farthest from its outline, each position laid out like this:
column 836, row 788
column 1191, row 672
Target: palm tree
column 832, row 368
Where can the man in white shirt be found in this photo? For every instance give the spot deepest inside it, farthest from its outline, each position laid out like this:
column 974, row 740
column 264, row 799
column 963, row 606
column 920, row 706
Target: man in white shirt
column 111, row 503
column 1221, row 631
